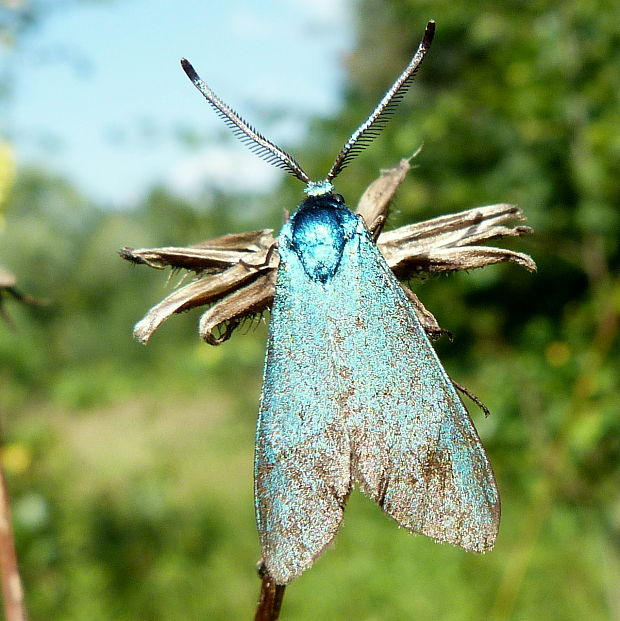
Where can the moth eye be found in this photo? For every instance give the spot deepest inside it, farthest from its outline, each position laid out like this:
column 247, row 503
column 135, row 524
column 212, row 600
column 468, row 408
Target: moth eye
column 339, row 198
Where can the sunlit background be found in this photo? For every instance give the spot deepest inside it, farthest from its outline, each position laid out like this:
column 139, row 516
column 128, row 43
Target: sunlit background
column 130, row 467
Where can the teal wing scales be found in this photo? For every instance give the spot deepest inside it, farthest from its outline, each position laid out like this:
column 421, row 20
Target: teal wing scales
column 415, row 449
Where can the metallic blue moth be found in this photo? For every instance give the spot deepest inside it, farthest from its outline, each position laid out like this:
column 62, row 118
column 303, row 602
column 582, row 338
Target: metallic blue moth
column 353, row 389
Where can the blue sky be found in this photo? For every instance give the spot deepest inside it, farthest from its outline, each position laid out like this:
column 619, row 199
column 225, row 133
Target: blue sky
column 99, row 95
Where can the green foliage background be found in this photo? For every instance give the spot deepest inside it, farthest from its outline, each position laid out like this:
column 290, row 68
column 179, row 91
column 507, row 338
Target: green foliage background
column 130, row 467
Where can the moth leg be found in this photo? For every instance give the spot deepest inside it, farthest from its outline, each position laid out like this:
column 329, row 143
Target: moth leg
column 375, row 227
column 266, row 261
column 472, row 396
column 427, row 319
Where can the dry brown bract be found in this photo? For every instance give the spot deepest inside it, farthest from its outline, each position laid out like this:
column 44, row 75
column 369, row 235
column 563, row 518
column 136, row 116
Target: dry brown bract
column 236, row 273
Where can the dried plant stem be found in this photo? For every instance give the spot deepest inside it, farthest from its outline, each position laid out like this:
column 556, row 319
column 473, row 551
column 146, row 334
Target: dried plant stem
column 12, row 591
column 270, row 599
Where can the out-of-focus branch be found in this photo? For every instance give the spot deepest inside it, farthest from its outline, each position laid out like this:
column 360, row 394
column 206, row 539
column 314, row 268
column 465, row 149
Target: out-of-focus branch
column 8, row 289
column 12, row 591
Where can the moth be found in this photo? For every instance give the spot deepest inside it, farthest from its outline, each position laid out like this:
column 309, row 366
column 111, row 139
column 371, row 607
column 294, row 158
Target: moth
column 353, row 390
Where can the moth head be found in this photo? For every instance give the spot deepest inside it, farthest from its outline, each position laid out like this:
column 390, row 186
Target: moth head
column 360, row 138
column 318, row 188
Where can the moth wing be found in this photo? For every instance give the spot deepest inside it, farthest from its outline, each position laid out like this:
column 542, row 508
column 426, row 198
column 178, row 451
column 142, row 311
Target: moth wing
column 303, row 456
column 353, row 389
column 415, row 449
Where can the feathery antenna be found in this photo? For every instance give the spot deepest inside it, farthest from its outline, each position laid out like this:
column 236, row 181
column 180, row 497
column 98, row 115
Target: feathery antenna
column 373, row 125
column 360, row 138
column 256, row 142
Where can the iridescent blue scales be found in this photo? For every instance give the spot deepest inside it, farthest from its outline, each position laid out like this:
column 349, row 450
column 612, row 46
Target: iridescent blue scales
column 354, row 393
